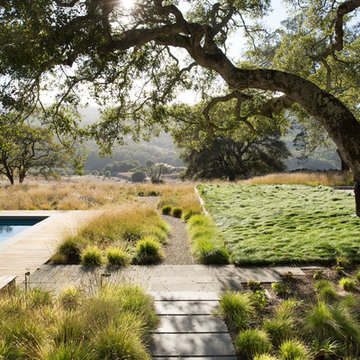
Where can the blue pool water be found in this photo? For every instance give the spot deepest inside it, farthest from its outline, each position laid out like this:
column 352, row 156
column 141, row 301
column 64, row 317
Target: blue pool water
column 11, row 227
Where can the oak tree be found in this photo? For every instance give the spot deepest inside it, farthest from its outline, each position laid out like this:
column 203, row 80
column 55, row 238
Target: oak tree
column 24, row 148
column 135, row 61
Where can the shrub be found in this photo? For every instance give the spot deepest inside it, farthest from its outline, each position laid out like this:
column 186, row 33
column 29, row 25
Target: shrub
column 260, row 299
column 237, row 308
column 254, row 285
column 177, row 212
column 280, row 289
column 92, row 256
column 153, row 193
column 252, row 342
column 166, row 210
column 348, row 284
column 319, row 275
column 138, row 176
column 293, row 350
column 117, row 256
column 147, row 251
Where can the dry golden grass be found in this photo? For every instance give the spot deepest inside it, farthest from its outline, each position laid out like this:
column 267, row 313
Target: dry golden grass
column 313, row 179
column 177, row 195
column 120, row 226
column 62, row 196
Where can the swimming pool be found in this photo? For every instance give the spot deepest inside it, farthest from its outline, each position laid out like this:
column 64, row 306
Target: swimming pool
column 13, row 226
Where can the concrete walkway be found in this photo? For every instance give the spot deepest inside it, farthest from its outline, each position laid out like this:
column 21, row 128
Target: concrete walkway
column 186, row 297
column 189, row 329
column 31, row 248
column 159, row 280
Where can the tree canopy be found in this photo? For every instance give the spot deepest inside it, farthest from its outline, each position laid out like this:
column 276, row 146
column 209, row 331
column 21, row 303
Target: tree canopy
column 24, row 148
column 136, row 60
column 227, row 158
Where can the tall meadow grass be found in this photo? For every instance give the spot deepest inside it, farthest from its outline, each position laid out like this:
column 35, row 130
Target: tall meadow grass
column 330, row 178
column 106, row 323
column 117, row 227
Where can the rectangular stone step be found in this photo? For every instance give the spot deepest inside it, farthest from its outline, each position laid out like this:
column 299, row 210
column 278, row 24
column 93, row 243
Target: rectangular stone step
column 185, row 307
column 191, row 324
column 192, row 345
column 185, row 295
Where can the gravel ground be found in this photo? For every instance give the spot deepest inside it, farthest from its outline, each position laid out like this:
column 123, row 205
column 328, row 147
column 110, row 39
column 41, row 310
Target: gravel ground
column 177, row 250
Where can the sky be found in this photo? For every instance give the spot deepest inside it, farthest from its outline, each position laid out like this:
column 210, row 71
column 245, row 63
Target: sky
column 237, row 43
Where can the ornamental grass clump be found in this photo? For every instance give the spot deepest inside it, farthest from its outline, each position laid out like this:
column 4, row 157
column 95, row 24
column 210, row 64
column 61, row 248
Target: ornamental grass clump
column 148, row 251
column 91, row 256
column 326, row 291
column 293, row 350
column 237, row 308
column 177, row 212
column 348, row 284
column 69, row 251
column 283, row 324
column 79, row 324
column 279, row 329
column 70, row 298
column 119, row 227
column 265, row 357
column 328, row 295
column 322, row 284
column 334, row 322
column 166, row 210
column 252, row 342
column 117, row 257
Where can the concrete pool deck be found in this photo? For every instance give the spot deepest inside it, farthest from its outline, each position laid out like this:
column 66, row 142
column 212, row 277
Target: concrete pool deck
column 33, row 247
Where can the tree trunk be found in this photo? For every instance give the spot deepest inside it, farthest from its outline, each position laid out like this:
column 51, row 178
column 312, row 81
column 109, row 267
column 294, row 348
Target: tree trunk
column 11, row 179
column 344, row 165
column 357, row 196
column 338, row 121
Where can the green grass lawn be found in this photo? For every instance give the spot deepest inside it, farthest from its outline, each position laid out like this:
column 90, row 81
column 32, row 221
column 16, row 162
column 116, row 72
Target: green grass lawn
column 278, row 224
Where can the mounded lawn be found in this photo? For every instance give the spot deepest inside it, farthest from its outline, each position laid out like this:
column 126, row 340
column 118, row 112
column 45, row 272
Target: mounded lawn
column 278, row 224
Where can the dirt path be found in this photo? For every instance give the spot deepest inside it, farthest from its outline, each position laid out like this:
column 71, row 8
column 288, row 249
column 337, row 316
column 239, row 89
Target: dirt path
column 177, row 250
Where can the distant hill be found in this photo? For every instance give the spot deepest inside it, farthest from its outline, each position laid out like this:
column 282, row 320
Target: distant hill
column 162, row 149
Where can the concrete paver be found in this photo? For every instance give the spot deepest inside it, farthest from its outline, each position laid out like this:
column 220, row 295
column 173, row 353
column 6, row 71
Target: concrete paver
column 190, row 345
column 163, row 280
column 191, row 324
column 185, row 307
